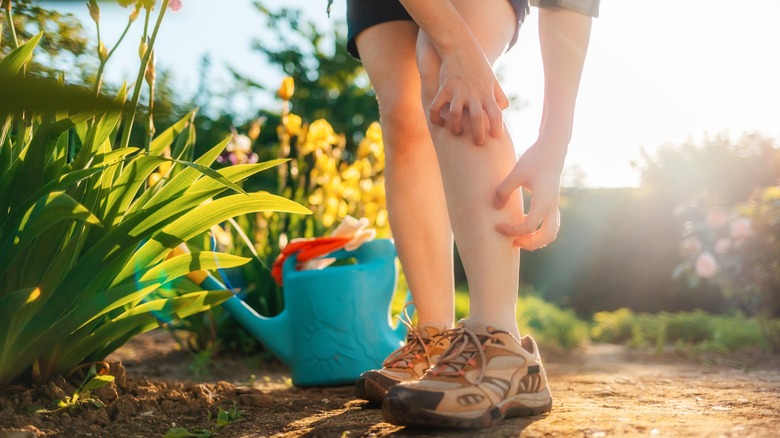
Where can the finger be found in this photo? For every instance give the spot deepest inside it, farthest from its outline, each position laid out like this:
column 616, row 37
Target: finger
column 496, row 119
column 528, row 226
column 477, row 123
column 456, row 117
column 501, row 99
column 504, row 191
column 545, row 235
column 437, row 105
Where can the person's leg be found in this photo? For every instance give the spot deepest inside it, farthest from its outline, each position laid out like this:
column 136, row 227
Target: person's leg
column 488, row 372
column 415, row 196
column 471, row 174
column 415, row 203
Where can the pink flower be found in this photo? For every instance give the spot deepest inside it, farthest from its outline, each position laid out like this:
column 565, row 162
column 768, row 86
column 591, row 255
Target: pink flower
column 706, row 265
column 690, row 245
column 722, row 245
column 717, row 218
column 741, row 228
column 175, row 5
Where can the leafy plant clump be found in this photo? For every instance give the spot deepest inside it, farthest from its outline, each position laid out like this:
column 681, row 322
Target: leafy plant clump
column 85, row 235
column 83, row 395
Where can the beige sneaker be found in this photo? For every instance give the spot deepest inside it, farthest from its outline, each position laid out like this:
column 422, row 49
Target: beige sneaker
column 421, row 351
column 484, row 376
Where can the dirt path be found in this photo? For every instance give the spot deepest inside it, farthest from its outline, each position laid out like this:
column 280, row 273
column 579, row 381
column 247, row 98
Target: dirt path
column 603, row 390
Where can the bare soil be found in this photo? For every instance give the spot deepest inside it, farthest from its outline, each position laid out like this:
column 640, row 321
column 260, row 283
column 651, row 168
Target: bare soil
column 600, row 390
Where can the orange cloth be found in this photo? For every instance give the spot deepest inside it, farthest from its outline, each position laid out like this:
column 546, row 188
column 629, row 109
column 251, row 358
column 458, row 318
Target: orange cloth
column 307, row 249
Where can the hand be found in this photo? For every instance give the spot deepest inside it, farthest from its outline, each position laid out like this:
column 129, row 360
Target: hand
column 539, row 171
column 467, row 84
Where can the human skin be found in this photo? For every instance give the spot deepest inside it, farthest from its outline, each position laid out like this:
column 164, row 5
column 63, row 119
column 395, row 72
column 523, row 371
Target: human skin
column 456, row 47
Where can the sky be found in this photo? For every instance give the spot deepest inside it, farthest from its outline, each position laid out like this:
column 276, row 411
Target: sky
column 657, row 71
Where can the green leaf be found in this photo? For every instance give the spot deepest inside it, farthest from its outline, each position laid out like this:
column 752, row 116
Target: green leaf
column 97, row 382
column 211, row 173
column 202, row 218
column 222, row 418
column 183, row 181
column 183, row 264
column 165, row 138
column 14, row 61
column 43, row 214
column 100, row 132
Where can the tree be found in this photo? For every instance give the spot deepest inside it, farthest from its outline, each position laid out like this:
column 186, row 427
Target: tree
column 63, row 45
column 329, row 83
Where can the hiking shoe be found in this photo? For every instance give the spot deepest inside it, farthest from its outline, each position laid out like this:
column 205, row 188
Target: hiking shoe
column 409, row 362
column 484, row 376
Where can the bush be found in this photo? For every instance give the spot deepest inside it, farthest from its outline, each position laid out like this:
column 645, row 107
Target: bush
column 695, row 330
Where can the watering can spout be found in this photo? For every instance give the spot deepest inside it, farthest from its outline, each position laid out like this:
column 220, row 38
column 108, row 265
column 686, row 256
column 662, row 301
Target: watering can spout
column 273, row 332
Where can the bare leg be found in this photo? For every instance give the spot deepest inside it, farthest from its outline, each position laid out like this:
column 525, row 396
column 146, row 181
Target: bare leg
column 415, row 196
column 471, row 174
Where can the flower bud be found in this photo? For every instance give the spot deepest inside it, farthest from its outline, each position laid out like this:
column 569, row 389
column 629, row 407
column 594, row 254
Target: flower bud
column 102, row 52
column 150, row 70
column 136, row 11
column 6, row 4
column 287, row 88
column 255, row 127
column 149, row 4
column 142, row 49
column 94, row 10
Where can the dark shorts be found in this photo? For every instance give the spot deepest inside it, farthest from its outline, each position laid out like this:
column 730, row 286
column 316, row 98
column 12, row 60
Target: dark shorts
column 362, row 14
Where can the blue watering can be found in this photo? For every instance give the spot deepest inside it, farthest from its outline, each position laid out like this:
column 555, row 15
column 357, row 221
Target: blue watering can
column 336, row 321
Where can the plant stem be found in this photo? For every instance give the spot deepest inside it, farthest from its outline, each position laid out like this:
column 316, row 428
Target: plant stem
column 99, row 81
column 10, row 19
column 130, row 115
column 150, row 122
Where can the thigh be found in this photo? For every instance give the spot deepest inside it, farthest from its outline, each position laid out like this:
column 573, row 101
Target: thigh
column 493, row 22
column 388, row 54
column 365, row 14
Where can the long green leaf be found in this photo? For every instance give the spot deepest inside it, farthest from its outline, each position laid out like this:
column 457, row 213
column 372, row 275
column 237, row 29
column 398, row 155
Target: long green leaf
column 181, row 182
column 30, row 176
column 142, row 318
column 201, row 219
column 165, row 138
column 100, row 132
column 13, row 62
column 183, row 264
column 48, row 210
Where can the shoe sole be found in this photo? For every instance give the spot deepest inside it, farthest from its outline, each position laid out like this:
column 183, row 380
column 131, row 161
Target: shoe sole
column 367, row 389
column 400, row 413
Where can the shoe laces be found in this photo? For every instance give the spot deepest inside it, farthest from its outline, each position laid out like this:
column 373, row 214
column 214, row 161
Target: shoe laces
column 416, row 347
column 464, row 346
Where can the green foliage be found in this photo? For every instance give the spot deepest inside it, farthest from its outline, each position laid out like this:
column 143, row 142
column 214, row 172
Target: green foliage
column 224, row 417
column 84, row 238
column 83, row 393
column 696, row 330
column 547, row 323
column 329, row 83
column 63, row 45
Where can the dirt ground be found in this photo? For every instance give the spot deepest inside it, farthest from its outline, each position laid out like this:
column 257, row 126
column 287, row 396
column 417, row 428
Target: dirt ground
column 599, row 391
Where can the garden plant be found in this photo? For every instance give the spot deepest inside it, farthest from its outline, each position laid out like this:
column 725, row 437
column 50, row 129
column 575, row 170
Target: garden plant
column 84, row 232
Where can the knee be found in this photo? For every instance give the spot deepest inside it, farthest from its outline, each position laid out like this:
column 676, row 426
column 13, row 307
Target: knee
column 428, row 64
column 402, row 117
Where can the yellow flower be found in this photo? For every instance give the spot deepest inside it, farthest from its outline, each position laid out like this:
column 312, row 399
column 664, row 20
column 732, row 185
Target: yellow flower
column 351, row 173
column 293, row 123
column 286, row 89
column 316, row 197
